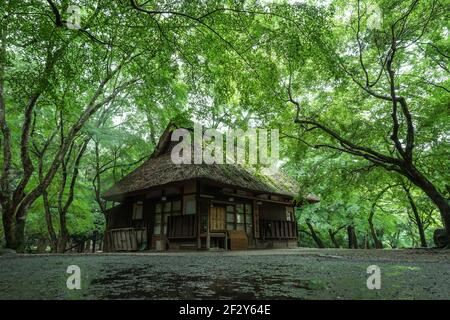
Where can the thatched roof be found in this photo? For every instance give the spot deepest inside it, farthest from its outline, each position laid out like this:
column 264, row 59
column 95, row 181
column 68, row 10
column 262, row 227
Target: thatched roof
column 159, row 170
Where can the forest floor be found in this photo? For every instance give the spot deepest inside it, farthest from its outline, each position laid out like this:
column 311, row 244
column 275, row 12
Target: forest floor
column 258, row 274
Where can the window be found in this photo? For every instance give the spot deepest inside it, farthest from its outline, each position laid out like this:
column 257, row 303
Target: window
column 167, row 208
column 204, row 223
column 176, row 206
column 239, row 217
column 289, row 214
column 138, row 210
column 157, row 228
column 166, row 218
column 248, row 218
column 240, row 222
column 189, row 205
column 230, row 218
column 162, row 213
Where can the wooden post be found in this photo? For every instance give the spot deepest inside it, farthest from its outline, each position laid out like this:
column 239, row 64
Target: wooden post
column 208, row 236
column 256, row 230
column 197, row 214
column 226, row 240
column 199, row 239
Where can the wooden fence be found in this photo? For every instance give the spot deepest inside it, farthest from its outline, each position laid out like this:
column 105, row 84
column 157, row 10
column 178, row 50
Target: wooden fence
column 182, row 226
column 273, row 229
column 127, row 239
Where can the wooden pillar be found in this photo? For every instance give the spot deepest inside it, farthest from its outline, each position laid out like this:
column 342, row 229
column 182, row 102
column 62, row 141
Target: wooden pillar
column 256, row 231
column 198, row 214
column 149, row 220
column 226, row 240
column 199, row 239
column 296, row 223
column 208, row 236
column 162, row 234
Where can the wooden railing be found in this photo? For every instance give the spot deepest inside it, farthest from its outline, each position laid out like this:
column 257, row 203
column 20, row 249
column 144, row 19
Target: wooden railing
column 182, row 226
column 273, row 229
column 127, row 239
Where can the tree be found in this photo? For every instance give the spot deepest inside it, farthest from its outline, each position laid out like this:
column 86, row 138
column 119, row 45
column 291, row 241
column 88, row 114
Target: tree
column 58, row 243
column 409, row 40
column 59, row 76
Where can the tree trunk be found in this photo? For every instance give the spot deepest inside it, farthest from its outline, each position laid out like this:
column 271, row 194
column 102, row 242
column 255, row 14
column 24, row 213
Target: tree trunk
column 378, row 244
column 41, row 245
column 49, row 221
column 62, row 243
column 94, row 243
column 438, row 199
column 333, row 238
column 81, row 246
column 355, row 239
column 366, row 241
column 423, row 239
column 417, row 219
column 9, row 228
column 352, row 239
column 87, row 247
column 314, row 235
column 105, row 243
column 63, row 235
column 20, row 233
column 376, row 241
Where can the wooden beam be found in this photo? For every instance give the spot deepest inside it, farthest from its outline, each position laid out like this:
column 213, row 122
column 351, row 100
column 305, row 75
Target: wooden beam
column 256, row 198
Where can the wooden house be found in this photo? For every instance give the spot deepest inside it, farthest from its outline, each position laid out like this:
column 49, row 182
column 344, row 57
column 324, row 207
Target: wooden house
column 167, row 206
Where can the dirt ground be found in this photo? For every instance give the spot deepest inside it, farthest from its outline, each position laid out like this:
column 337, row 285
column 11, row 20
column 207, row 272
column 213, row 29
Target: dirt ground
column 259, row 274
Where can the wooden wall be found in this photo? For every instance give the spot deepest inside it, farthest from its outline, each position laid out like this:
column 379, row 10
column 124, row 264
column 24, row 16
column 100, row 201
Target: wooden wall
column 121, row 215
column 272, row 211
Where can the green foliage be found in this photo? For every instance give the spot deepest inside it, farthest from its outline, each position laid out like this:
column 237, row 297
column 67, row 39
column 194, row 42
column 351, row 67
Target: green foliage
column 230, row 64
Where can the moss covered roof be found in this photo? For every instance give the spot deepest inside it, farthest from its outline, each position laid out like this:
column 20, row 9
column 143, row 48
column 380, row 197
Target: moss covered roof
column 160, row 170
